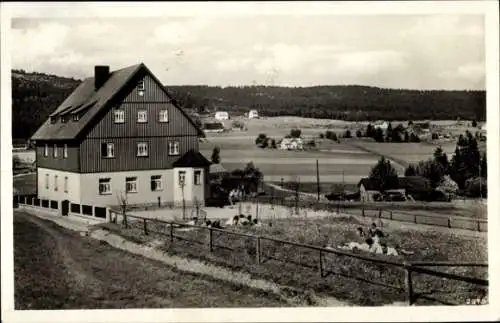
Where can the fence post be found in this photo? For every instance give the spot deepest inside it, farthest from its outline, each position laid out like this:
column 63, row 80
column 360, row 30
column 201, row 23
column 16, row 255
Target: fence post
column 145, row 227
column 415, row 219
column 171, row 233
column 409, row 283
column 379, row 213
column 390, row 215
column 363, row 212
column 257, row 250
column 478, row 226
column 210, row 239
column 449, row 222
column 320, row 263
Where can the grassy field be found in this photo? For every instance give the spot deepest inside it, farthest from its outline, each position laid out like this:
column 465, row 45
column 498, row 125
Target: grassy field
column 358, row 282
column 57, row 269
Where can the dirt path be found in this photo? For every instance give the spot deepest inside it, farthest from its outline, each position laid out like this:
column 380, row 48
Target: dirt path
column 56, row 268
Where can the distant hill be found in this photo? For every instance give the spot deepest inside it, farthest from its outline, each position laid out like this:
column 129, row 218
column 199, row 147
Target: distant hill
column 36, row 95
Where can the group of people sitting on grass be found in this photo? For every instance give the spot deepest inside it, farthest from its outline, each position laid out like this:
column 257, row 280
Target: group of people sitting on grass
column 235, row 221
column 373, row 243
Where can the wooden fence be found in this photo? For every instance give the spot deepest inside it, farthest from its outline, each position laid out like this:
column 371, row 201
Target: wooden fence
column 465, row 223
column 409, row 268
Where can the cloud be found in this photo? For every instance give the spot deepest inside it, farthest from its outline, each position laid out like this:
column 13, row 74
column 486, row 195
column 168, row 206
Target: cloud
column 474, row 72
column 370, row 62
column 176, row 33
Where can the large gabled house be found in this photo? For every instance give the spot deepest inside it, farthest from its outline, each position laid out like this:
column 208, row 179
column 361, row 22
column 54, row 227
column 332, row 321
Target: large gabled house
column 120, row 134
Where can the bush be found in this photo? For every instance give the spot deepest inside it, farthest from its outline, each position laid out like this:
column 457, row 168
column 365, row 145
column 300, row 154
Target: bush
column 347, row 134
column 261, row 140
column 273, row 144
column 331, row 135
column 474, row 123
column 321, row 136
column 435, row 136
column 359, row 134
column 295, row 133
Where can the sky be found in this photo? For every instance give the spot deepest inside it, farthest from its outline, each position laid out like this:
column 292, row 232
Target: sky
column 438, row 51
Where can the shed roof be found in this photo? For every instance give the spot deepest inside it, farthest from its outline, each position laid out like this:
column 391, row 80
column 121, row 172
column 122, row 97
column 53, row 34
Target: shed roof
column 407, row 182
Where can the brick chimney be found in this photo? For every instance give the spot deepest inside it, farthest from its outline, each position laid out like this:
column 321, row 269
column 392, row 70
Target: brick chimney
column 101, row 75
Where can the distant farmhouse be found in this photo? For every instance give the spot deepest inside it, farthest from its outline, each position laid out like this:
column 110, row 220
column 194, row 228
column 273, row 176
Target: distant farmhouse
column 253, row 114
column 221, row 115
column 291, row 144
column 120, row 134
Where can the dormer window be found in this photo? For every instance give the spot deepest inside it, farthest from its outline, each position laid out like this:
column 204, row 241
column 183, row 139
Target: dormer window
column 53, row 119
column 76, row 117
column 119, row 116
column 64, row 119
column 140, row 85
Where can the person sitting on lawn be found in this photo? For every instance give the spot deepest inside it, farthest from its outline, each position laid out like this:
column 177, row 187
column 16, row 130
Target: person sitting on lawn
column 366, row 246
column 256, row 223
column 376, row 247
column 374, row 231
column 361, row 232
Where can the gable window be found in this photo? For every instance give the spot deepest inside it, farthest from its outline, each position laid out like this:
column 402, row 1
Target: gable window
column 55, row 151
column 142, row 149
column 182, row 178
column 140, row 85
column 119, row 115
column 163, row 115
column 131, row 184
column 156, row 183
column 64, row 119
column 55, row 182
column 173, row 148
column 108, row 150
column 104, row 186
column 142, row 116
column 46, row 181
column 46, row 151
column 66, row 184
column 76, row 117
column 65, row 151
column 197, row 177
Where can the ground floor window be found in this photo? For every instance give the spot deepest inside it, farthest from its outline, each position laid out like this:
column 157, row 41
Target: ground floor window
column 46, row 181
column 105, row 186
column 156, row 183
column 55, row 182
column 131, row 184
column 182, row 178
column 197, row 177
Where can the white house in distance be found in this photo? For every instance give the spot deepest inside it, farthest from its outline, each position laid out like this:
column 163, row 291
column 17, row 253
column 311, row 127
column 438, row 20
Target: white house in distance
column 291, row 144
column 221, row 115
column 253, row 114
column 383, row 125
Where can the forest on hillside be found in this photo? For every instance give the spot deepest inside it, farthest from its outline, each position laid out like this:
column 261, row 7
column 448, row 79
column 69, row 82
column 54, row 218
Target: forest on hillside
column 36, row 95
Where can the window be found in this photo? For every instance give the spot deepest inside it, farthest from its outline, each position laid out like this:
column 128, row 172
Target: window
column 182, row 178
column 131, row 184
column 105, row 186
column 65, row 184
column 140, row 85
column 55, row 182
column 142, row 116
column 46, row 150
column 64, row 119
column 46, row 181
column 76, row 117
column 197, row 177
column 53, row 119
column 173, row 148
column 108, row 150
column 156, row 183
column 142, row 149
column 163, row 117
column 119, row 115
column 65, row 151
column 55, row 151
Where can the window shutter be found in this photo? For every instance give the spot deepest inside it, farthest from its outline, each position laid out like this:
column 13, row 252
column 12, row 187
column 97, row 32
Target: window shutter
column 104, row 151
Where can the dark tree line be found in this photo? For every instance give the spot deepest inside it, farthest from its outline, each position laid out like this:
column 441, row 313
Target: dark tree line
column 36, row 95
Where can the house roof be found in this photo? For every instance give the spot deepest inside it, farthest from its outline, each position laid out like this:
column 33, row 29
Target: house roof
column 217, row 169
column 408, row 182
column 86, row 98
column 192, row 159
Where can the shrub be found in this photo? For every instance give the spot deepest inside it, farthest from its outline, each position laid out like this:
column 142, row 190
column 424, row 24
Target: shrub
column 261, row 139
column 215, row 155
column 359, row 134
column 273, row 144
column 321, row 135
column 347, row 134
column 295, row 133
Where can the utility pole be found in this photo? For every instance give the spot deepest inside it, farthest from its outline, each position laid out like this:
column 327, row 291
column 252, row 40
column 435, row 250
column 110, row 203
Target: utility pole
column 317, row 177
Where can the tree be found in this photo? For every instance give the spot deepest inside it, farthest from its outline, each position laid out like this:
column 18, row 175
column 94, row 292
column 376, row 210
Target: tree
column 295, row 133
column 474, row 123
column 359, row 134
column 215, row 155
column 484, row 167
column 431, row 170
column 414, row 137
column 407, row 136
column 321, row 136
column 379, row 135
column 273, row 144
column 261, row 140
column 410, row 123
column 370, row 131
column 347, row 134
column 389, row 133
column 384, row 175
column 331, row 135
column 410, row 171
column 441, row 158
